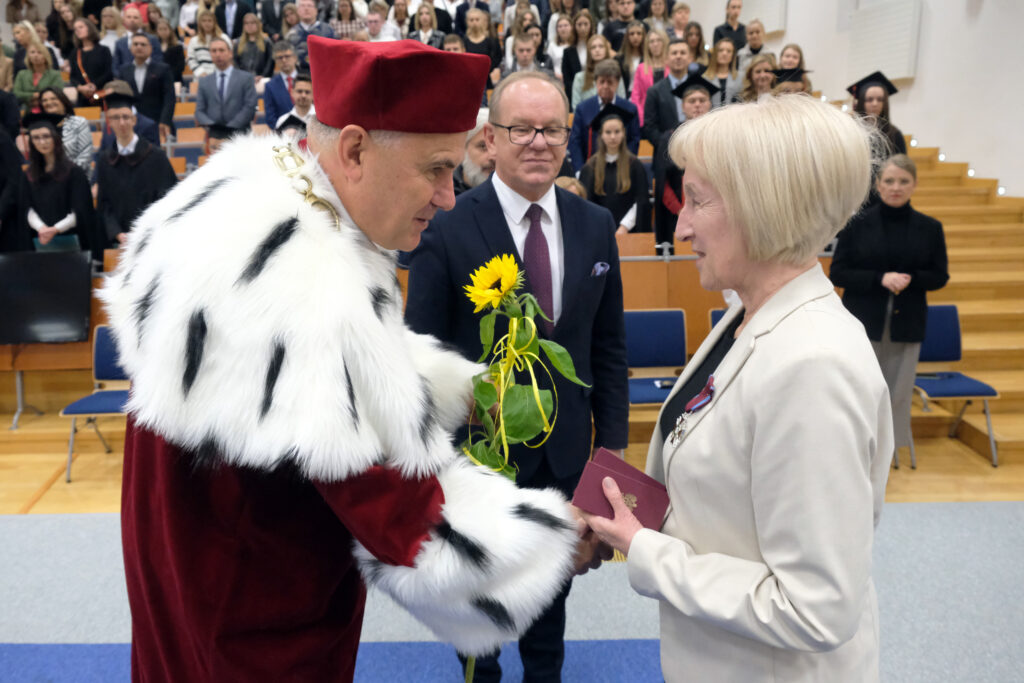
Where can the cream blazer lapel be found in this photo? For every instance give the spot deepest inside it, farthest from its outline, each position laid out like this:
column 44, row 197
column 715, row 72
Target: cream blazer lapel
column 809, row 285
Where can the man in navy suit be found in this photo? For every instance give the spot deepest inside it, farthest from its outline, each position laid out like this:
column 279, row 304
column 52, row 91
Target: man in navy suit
column 277, row 97
column 152, row 84
column 583, row 141
column 663, row 110
column 576, row 273
column 227, row 97
column 123, row 48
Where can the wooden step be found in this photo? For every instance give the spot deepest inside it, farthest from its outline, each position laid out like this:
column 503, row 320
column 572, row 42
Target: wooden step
column 986, row 284
column 944, row 174
column 966, row 258
column 953, row 196
column 987, row 213
column 1007, row 427
column 926, row 158
column 991, row 315
column 984, row 235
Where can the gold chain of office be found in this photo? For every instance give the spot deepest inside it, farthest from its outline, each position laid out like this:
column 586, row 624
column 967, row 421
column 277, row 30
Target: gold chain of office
column 291, row 164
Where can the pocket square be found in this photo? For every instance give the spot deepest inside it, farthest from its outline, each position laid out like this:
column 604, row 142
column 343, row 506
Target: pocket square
column 600, row 268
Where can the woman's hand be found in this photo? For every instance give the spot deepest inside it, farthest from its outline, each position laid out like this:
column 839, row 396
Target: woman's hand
column 46, row 234
column 619, row 532
column 895, row 282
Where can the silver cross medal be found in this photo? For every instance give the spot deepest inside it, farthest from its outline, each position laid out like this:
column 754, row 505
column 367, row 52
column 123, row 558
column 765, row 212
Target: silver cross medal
column 677, row 432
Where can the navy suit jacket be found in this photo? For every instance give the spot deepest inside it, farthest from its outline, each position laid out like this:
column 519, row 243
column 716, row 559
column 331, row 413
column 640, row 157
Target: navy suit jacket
column 157, row 97
column 579, row 149
column 590, row 327
column 276, row 100
column 123, row 53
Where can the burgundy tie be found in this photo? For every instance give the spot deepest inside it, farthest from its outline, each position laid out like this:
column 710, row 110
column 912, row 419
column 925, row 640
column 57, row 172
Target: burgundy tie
column 538, row 266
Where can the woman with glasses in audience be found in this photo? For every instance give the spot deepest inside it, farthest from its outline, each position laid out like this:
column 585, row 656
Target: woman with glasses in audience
column 759, row 79
column 75, row 133
column 574, row 59
column 775, row 442
column 426, row 27
column 254, row 51
column 722, row 72
column 886, row 260
column 55, row 200
column 614, row 178
column 345, row 24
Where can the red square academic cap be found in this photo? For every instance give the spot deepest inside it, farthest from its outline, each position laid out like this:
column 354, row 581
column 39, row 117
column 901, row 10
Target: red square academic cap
column 401, row 85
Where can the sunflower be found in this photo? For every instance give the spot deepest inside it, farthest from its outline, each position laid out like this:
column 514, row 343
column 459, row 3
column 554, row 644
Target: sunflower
column 493, row 281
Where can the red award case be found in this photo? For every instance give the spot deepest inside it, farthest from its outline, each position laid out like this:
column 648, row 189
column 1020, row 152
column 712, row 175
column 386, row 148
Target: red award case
column 646, row 497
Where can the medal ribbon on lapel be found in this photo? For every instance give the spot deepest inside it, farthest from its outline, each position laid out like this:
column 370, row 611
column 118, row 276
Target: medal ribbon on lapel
column 693, row 405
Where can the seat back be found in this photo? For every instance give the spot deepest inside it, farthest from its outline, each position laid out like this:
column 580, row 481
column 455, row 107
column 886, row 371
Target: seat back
column 715, row 314
column 941, row 335
column 105, row 364
column 656, row 338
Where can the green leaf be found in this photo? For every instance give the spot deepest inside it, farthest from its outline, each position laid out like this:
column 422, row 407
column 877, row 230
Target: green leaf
column 484, row 393
column 530, row 300
column 485, row 455
column 487, row 334
column 562, row 361
column 521, row 415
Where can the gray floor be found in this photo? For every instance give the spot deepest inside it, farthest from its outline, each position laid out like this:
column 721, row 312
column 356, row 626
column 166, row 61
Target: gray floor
column 950, row 580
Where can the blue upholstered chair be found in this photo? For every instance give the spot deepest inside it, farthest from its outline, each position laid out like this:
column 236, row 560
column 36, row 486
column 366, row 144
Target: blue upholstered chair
column 714, row 315
column 102, row 401
column 942, row 345
column 656, row 351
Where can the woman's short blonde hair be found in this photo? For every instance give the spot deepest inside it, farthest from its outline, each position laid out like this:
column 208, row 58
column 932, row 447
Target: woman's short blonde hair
column 791, row 171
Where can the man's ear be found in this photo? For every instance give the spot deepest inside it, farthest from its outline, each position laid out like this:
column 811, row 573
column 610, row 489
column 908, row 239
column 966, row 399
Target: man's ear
column 353, row 144
column 492, row 149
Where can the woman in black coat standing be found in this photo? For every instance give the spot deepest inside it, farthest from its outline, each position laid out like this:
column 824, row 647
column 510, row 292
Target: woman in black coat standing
column 887, row 259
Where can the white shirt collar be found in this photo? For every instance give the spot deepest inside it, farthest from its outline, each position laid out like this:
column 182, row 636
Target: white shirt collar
column 226, row 72
column 129, row 148
column 515, row 204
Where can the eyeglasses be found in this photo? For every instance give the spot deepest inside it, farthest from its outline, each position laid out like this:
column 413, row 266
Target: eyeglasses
column 525, row 135
column 119, row 117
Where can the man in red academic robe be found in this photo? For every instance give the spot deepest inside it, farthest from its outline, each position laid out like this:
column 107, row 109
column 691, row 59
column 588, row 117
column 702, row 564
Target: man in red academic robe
column 288, row 437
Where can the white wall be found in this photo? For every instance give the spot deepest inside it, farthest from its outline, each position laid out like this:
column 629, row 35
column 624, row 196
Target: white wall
column 968, row 95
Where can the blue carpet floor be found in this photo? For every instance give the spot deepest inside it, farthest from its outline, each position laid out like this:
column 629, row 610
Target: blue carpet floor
column 948, row 575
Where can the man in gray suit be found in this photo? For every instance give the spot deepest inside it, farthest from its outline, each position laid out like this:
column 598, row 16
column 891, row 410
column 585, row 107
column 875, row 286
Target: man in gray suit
column 227, row 97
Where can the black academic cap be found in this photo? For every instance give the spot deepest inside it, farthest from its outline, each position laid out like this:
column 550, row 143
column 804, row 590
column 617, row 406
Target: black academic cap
column 694, row 81
column 117, row 94
column 41, row 119
column 292, row 121
column 218, row 132
column 877, row 78
column 789, row 75
column 610, row 111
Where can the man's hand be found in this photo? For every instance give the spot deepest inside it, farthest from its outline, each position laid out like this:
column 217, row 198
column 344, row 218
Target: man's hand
column 121, row 237
column 618, row 532
column 165, row 130
column 46, row 234
column 895, row 282
column 622, row 230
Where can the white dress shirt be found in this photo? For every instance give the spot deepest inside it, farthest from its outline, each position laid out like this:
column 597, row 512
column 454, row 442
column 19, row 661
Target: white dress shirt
column 140, row 74
column 129, row 148
column 229, row 15
column 514, row 206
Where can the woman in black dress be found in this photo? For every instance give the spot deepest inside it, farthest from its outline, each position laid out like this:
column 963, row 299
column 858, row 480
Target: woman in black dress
column 614, row 178
column 174, row 51
column 54, row 202
column 480, row 41
column 887, row 259
column 91, row 64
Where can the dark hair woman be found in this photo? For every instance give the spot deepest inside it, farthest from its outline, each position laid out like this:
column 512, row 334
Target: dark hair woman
column 55, row 200
column 614, row 178
column 91, row 64
column 74, row 130
column 871, row 100
column 887, row 259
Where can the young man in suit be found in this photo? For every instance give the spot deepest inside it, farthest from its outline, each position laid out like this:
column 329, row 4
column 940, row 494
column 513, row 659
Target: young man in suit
column 227, row 97
column 152, row 84
column 230, row 15
column 123, row 49
column 663, row 111
column 583, row 141
column 270, row 15
column 277, row 97
column 568, row 248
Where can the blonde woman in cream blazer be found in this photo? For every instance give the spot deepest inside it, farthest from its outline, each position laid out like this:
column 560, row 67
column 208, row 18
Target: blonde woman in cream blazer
column 762, row 566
